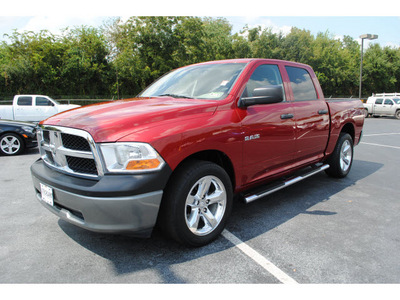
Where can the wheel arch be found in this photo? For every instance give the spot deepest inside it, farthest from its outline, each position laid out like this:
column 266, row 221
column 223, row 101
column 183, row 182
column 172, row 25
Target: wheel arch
column 349, row 128
column 214, row 156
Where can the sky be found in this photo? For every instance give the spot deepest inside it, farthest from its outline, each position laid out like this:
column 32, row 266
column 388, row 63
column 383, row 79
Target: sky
column 341, row 18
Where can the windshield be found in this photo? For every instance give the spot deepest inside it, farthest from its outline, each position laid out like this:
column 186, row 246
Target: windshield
column 209, row 81
column 397, row 100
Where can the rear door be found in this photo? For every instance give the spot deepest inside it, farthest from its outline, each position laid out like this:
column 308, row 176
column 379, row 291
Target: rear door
column 378, row 106
column 311, row 116
column 23, row 108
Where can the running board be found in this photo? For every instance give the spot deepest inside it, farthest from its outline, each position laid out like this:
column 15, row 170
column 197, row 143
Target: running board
column 283, row 184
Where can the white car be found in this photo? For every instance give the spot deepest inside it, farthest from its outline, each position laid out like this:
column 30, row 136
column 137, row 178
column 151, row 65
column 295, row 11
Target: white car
column 386, row 104
column 33, row 108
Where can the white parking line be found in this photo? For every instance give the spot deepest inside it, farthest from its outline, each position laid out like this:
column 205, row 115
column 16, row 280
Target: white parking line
column 379, row 145
column 377, row 134
column 258, row 258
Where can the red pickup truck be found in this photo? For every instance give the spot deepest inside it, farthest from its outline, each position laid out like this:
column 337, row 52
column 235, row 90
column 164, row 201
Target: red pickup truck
column 178, row 153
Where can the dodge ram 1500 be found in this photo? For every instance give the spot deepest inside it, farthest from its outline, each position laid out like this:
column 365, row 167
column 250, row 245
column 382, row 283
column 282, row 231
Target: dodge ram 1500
column 178, row 153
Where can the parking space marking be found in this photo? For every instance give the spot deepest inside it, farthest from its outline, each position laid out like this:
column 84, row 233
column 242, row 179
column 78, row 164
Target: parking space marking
column 378, row 134
column 379, row 145
column 258, row 258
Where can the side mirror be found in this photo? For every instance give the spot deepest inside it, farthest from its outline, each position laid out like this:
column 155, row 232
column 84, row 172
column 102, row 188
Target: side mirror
column 263, row 95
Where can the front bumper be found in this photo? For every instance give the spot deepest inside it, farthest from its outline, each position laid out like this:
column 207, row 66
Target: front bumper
column 113, row 204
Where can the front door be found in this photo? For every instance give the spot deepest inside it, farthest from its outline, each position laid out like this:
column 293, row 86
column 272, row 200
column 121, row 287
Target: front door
column 44, row 108
column 268, row 129
column 388, row 107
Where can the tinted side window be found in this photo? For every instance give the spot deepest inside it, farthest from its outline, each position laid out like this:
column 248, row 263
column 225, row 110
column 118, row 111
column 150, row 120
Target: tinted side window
column 263, row 76
column 24, row 101
column 302, row 85
column 388, row 102
column 41, row 101
column 378, row 101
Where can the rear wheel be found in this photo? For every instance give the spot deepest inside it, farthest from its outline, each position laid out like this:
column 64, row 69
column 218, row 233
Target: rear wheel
column 196, row 203
column 341, row 159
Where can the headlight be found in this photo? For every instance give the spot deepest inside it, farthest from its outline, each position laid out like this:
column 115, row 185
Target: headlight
column 28, row 129
column 131, row 157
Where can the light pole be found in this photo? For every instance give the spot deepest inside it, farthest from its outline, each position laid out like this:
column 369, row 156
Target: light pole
column 364, row 37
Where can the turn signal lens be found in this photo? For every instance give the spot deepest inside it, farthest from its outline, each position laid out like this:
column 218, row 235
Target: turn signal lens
column 143, row 164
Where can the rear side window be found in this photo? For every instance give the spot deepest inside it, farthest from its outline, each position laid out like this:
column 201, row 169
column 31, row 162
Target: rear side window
column 24, row 101
column 388, row 102
column 302, row 85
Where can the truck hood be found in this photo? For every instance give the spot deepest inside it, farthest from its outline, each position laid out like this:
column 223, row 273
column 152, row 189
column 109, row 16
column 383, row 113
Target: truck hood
column 111, row 121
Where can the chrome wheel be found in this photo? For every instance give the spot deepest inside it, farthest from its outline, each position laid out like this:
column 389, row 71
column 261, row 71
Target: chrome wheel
column 205, row 205
column 196, row 203
column 346, row 155
column 10, row 144
column 341, row 159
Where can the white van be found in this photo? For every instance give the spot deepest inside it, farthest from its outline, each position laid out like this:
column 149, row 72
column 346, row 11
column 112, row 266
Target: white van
column 385, row 104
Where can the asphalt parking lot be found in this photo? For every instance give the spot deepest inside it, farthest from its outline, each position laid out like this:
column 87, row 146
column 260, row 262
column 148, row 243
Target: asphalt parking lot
column 321, row 230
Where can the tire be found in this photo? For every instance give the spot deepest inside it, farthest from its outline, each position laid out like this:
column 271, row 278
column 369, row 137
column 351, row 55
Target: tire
column 196, row 203
column 397, row 114
column 11, row 144
column 341, row 159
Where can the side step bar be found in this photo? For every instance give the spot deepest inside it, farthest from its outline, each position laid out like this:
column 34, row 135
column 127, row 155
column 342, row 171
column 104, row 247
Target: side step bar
column 283, row 184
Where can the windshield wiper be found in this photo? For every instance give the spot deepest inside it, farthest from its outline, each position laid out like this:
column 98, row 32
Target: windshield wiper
column 175, row 96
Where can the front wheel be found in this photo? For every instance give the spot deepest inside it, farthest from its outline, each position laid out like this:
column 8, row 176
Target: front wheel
column 341, row 159
column 196, row 203
column 11, row 144
column 397, row 114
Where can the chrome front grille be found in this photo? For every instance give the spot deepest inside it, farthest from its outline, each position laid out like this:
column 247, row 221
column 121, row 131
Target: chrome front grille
column 69, row 150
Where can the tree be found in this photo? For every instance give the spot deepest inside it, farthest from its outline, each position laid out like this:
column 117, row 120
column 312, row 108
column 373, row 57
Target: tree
column 217, row 39
column 85, row 69
column 30, row 63
column 122, row 58
column 146, row 48
column 297, row 46
column 381, row 70
column 329, row 63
